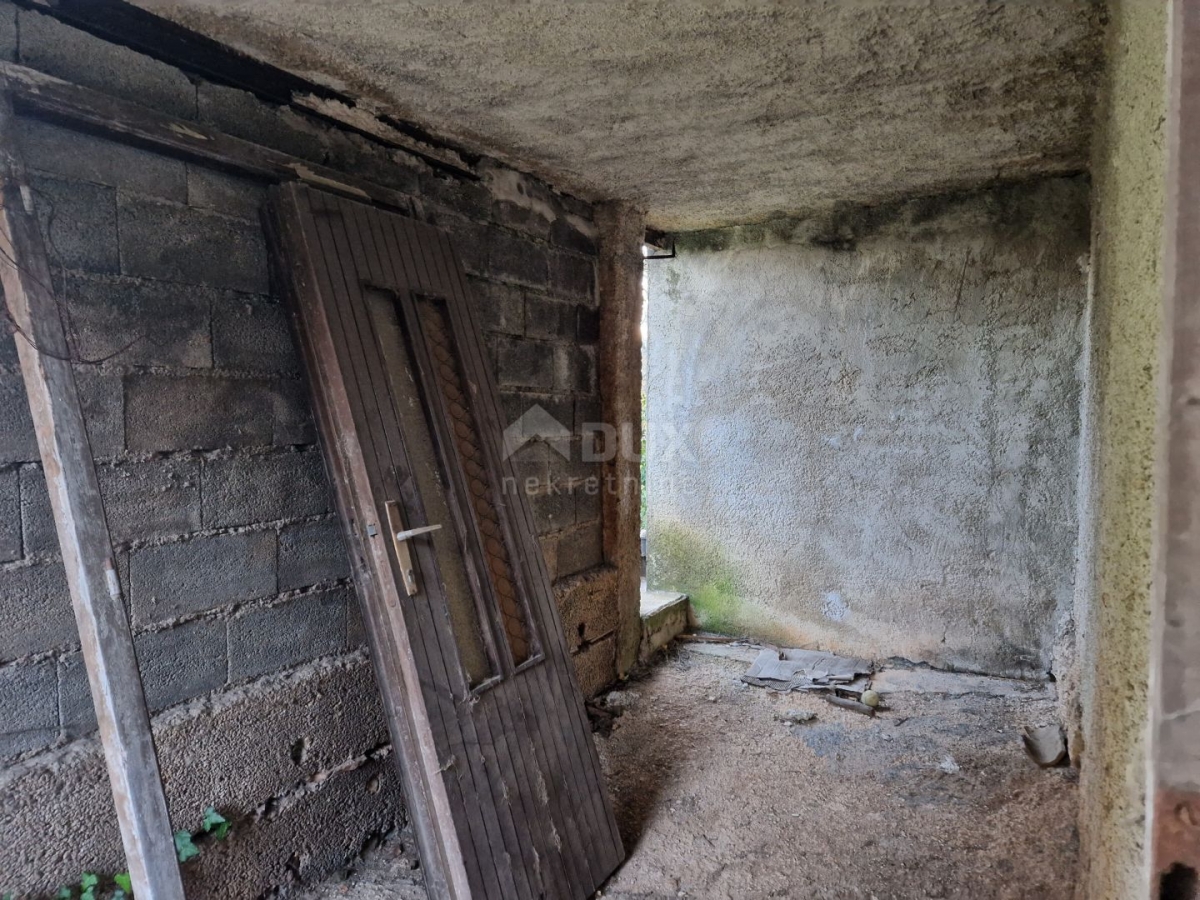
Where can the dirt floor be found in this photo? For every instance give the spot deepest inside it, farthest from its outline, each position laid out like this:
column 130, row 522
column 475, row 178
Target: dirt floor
column 719, row 797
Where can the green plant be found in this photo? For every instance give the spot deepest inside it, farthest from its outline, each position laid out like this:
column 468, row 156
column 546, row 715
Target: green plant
column 213, row 827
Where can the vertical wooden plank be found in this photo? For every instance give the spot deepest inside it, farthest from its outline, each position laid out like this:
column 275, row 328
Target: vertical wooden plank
column 498, row 781
column 391, row 645
column 524, row 810
column 70, row 470
column 458, row 757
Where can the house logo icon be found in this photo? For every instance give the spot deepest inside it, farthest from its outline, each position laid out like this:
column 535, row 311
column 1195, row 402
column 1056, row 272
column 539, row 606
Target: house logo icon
column 537, row 425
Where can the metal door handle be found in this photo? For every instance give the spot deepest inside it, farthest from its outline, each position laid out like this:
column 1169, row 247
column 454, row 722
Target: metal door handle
column 400, row 539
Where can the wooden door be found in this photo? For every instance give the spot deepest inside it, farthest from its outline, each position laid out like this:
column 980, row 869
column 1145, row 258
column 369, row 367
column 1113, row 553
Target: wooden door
column 501, row 774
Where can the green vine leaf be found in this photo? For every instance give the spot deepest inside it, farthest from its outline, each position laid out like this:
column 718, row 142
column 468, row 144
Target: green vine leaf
column 185, row 849
column 123, row 882
column 215, row 824
column 64, row 893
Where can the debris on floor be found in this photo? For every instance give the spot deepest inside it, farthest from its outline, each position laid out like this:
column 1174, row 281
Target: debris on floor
column 852, row 705
column 1046, row 745
column 795, row 716
column 720, row 801
column 807, row 670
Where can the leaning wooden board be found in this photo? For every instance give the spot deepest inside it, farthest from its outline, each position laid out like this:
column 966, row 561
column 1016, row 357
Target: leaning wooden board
column 501, row 775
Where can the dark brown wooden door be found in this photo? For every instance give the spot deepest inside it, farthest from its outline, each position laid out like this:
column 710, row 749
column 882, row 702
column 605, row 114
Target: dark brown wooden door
column 501, row 774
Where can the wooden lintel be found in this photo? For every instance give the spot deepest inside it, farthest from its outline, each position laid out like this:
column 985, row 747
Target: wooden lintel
column 70, row 470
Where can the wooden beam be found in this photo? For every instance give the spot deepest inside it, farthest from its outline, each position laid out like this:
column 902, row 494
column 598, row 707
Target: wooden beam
column 83, row 535
column 619, row 284
column 46, row 97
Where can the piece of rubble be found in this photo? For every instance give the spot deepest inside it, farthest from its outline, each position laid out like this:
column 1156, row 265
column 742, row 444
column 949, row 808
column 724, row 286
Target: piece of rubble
column 796, row 716
column 1046, row 745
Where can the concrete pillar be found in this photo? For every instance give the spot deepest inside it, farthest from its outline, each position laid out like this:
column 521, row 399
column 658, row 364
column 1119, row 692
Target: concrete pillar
column 1113, row 612
column 1174, row 758
column 622, row 230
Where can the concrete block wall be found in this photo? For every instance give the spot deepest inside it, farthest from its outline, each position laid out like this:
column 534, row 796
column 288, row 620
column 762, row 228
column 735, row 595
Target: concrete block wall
column 232, row 561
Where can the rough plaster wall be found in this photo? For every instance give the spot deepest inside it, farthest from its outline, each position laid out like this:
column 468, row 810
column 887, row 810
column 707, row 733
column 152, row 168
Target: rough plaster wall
column 710, row 113
column 229, row 552
column 863, row 429
column 1129, row 168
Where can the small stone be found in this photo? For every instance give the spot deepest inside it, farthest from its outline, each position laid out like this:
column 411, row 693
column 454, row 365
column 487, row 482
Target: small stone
column 796, row 716
column 871, row 698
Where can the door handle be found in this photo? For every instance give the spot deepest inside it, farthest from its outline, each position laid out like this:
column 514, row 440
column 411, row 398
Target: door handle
column 400, row 538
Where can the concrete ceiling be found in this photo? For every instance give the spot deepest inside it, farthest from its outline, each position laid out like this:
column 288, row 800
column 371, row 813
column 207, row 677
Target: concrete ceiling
column 708, row 112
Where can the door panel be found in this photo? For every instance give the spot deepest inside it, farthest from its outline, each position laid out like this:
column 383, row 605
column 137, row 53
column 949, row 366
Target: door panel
column 499, row 767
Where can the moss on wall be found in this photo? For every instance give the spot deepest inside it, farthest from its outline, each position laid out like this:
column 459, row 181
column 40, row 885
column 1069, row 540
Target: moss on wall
column 1128, row 172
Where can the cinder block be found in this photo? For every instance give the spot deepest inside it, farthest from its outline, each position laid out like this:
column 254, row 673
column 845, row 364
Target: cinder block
column 521, row 218
column 176, row 664
column 37, row 521
column 589, row 412
column 153, row 323
column 553, row 510
column 589, row 499
column 35, row 610
column 9, row 361
column 102, row 399
column 151, row 499
column 588, row 324
column 500, row 307
column 468, row 198
column 51, row 46
column 224, row 193
column 242, row 490
column 28, row 707
column 79, row 223
column 74, row 697
column 72, row 154
column 252, row 334
column 548, row 318
column 10, row 514
column 531, row 463
column 515, row 405
column 567, row 234
column 183, row 662
column 8, row 32
column 173, row 580
column 356, row 631
column 202, row 412
column 266, row 639
column 522, row 363
column 569, row 470
column 596, row 666
column 580, row 549
column 573, row 276
column 588, row 606
column 469, row 240
column 371, row 161
column 511, row 258
column 243, row 115
column 574, row 368
column 312, row 553
column 294, row 423
column 181, row 243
